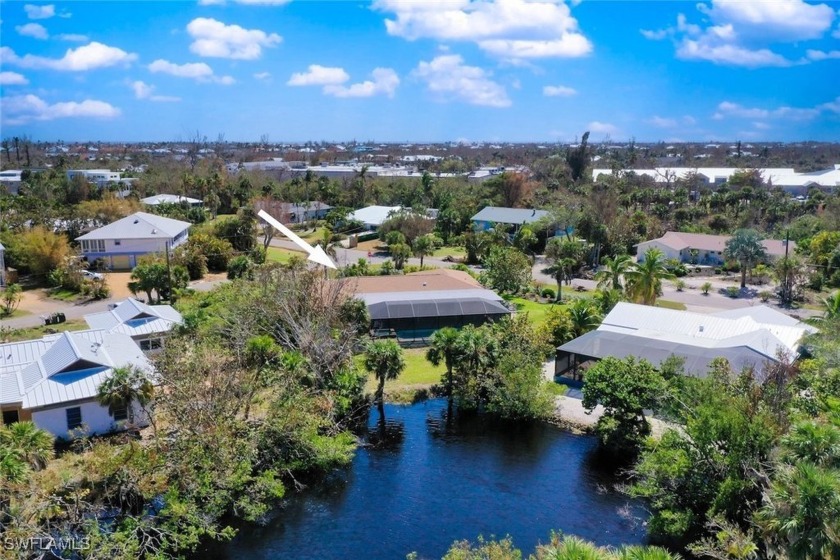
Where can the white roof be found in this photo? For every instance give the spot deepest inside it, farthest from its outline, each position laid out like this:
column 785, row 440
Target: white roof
column 168, row 199
column 134, row 318
column 778, row 176
column 373, row 215
column 761, row 331
column 139, row 225
column 65, row 367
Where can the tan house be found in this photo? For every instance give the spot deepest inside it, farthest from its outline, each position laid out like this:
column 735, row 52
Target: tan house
column 701, row 248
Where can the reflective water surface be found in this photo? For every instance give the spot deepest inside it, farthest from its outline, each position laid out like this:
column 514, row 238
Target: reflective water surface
column 425, row 480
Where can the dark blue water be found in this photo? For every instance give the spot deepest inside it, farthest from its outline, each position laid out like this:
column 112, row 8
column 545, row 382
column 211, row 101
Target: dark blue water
column 425, row 482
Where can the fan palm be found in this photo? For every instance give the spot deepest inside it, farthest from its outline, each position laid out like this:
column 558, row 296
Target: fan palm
column 442, row 348
column 746, row 248
column 29, row 444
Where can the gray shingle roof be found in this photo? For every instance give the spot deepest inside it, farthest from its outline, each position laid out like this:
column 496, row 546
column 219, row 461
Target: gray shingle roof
column 499, row 215
column 139, row 225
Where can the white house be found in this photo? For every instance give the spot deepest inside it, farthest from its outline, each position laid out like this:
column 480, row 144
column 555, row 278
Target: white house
column 373, row 216
column 747, row 337
column 489, row 216
column 100, row 177
column 701, row 248
column 147, row 325
column 170, row 199
column 120, row 243
column 54, row 381
column 10, row 180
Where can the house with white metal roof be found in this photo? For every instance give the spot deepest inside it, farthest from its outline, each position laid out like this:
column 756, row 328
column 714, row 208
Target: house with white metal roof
column 147, row 325
column 748, row 337
column 373, row 216
column 490, row 216
column 121, row 243
column 701, row 248
column 54, row 381
column 154, row 200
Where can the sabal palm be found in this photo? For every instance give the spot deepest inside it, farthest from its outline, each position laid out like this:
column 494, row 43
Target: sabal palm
column 644, row 553
column 584, row 315
column 384, row 358
column 125, row 386
column 614, row 269
column 572, row 548
column 443, row 348
column 327, row 243
column 31, row 445
column 644, row 279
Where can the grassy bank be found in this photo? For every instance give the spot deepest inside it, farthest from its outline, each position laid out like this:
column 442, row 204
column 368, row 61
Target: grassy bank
column 418, row 374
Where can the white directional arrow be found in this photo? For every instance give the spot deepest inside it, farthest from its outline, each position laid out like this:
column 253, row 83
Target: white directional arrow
column 316, row 254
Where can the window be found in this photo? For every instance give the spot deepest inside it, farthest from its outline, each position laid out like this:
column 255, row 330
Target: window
column 74, row 418
column 120, row 412
column 156, row 344
column 117, row 242
column 10, row 417
column 93, row 245
column 145, row 345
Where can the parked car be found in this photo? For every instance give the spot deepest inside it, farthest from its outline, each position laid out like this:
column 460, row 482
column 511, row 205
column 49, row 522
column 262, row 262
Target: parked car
column 90, row 275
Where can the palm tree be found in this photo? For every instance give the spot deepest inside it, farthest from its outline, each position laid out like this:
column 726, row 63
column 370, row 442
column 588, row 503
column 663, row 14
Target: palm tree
column 125, row 386
column 644, row 279
column 614, row 268
column 422, row 246
column 584, row 315
column 831, row 306
column 30, row 445
column 383, row 358
column 442, row 348
column 746, row 248
column 327, row 243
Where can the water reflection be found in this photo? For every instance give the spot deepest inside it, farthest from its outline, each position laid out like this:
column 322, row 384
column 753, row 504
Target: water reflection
column 428, row 476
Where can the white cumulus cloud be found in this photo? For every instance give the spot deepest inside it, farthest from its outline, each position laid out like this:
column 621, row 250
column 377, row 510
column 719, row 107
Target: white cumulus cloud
column 21, row 109
column 199, row 71
column 34, row 30
column 317, row 75
column 12, row 79
column 262, row 75
column 449, row 78
column 384, row 82
column 75, row 37
column 212, row 38
column 39, row 12
column 143, row 90
column 508, row 29
column 559, row 91
column 88, row 57
column 729, row 110
column 742, row 32
column 602, row 128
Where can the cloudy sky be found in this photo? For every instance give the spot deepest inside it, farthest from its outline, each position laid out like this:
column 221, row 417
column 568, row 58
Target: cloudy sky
column 421, row 70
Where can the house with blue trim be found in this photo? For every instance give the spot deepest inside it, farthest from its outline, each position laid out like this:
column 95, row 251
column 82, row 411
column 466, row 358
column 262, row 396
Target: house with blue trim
column 511, row 218
column 120, row 244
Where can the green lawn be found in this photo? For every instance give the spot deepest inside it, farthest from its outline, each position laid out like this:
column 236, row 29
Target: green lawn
column 536, row 311
column 670, row 304
column 63, row 294
column 418, row 371
column 30, row 333
column 454, row 252
column 278, row 254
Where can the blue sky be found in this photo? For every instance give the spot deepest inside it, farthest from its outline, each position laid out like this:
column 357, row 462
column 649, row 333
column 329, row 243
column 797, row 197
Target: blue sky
column 421, row 70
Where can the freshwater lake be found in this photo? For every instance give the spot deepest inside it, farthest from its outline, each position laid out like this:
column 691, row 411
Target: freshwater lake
column 425, row 481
